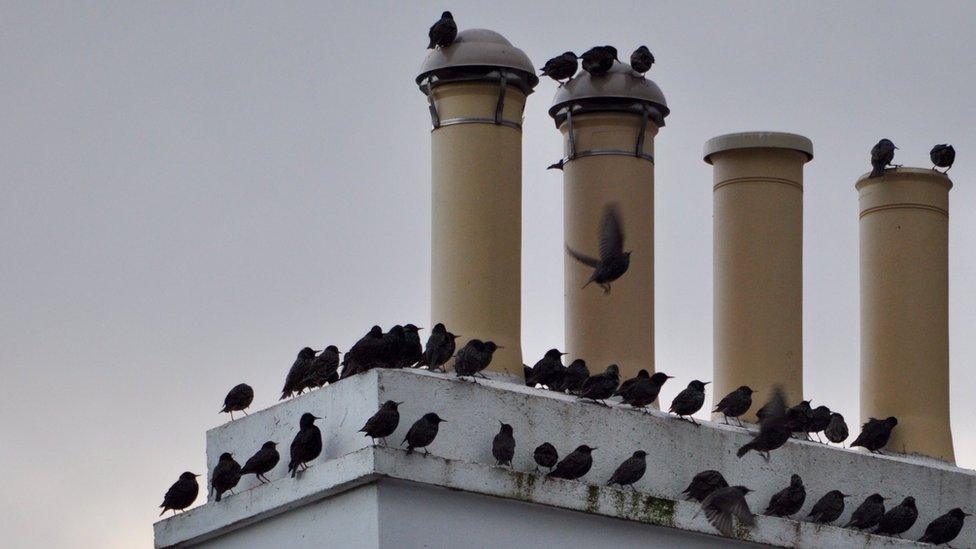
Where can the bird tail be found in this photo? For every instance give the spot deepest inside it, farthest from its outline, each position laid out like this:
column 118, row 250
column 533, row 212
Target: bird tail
column 745, row 449
column 877, row 171
column 164, row 510
column 431, row 45
column 218, row 496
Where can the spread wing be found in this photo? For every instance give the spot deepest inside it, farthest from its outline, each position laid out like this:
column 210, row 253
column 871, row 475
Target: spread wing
column 584, row 259
column 775, row 410
column 611, row 233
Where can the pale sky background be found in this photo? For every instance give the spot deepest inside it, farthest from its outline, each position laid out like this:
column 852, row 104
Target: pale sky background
column 190, row 192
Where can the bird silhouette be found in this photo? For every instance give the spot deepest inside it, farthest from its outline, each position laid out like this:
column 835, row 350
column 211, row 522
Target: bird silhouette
column 836, row 430
column 725, row 503
column 262, row 462
column 474, row 357
column 630, row 471
column 384, row 422
column 774, row 427
column 689, row 400
column 642, row 390
column 828, row 508
column 225, row 475
column 641, row 60
column 503, row 445
column 598, row 60
column 942, row 156
column 562, row 67
column 295, row 380
column 945, row 528
column 181, row 494
column 549, row 370
column 899, row 518
column 323, row 369
column 442, row 33
column 545, row 455
column 875, row 434
column 704, row 483
column 575, row 376
column 439, row 349
column 868, row 513
column 789, row 500
column 735, row 404
column 600, row 387
column 237, row 399
column 614, row 261
column 364, row 354
column 574, row 465
column 307, row 444
column 422, row 432
column 881, row 156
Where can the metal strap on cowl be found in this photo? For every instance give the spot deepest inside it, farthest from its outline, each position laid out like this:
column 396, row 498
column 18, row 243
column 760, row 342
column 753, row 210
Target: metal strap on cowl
column 497, row 120
column 638, row 150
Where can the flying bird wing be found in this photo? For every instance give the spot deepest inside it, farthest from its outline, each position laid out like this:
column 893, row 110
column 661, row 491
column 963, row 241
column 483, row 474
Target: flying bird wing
column 584, row 259
column 611, row 233
column 775, row 410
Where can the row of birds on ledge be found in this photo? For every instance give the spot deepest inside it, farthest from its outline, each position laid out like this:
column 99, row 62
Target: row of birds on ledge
column 400, row 348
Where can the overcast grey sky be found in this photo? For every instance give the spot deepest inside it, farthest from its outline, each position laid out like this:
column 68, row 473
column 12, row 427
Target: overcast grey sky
column 190, row 192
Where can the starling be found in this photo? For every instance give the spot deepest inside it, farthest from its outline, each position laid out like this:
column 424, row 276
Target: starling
column 549, row 371
column 503, row 445
column 868, row 513
column 774, row 428
column 723, row 504
column 689, row 400
column 474, row 357
column 262, row 462
column 641, row 60
column 899, row 518
column 364, row 354
column 789, row 500
column 383, row 422
column 598, row 60
column 798, row 417
column 294, row 382
column 614, row 261
column 307, row 444
column 440, row 348
column 411, row 350
column 643, row 389
column 391, row 347
column 561, row 67
column 819, row 420
column 828, row 508
column 735, row 404
column 443, row 32
column 875, row 434
column 237, row 399
column 324, row 368
column 836, row 430
column 576, row 374
column 184, row 492
column 941, row 530
column 225, row 476
column 545, row 455
column 942, row 157
column 630, row 471
column 600, row 387
column 705, row 483
column 575, row 465
column 881, row 156
column 556, row 165
column 422, row 432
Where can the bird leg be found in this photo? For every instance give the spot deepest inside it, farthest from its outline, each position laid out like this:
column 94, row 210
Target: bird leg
column 245, row 412
column 481, row 375
column 232, row 415
column 765, row 455
column 726, row 419
column 739, row 421
column 426, row 453
column 606, row 289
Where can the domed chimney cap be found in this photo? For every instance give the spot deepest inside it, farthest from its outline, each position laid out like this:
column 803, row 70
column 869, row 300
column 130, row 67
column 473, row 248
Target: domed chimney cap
column 619, row 89
column 477, row 52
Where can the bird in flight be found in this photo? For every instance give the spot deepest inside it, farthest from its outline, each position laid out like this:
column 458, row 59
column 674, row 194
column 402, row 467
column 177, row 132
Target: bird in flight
column 613, row 261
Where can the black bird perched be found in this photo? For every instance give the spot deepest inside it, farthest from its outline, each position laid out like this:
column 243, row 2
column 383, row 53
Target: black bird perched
column 440, row 348
column 474, row 357
column 614, row 261
column 881, row 156
column 868, row 513
column 818, row 420
column 689, row 400
column 836, row 430
column 262, row 462
column 307, row 444
column 774, row 427
column 503, row 445
column 600, row 387
column 899, row 518
column 442, row 33
column 875, row 434
column 735, row 404
column 704, row 483
column 294, row 381
column 324, row 368
column 411, row 351
column 943, row 529
column 383, row 422
column 798, row 417
column 641, row 60
column 574, row 465
column 598, row 60
column 364, row 354
column 549, row 370
column 422, row 432
column 630, row 471
column 561, row 67
column 723, row 504
column 828, row 508
column 943, row 156
column 789, row 500
column 391, row 348
column 183, row 493
column 642, row 390
column 237, row 399
column 225, row 476
column 545, row 455
column 576, row 374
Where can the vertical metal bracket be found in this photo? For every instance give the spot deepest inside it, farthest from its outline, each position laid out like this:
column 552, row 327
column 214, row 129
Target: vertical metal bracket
column 639, row 149
column 500, row 106
column 570, row 133
column 435, row 118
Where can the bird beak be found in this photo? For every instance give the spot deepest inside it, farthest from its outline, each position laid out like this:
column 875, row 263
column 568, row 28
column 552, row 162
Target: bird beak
column 398, row 403
column 670, row 377
column 563, row 354
column 706, row 382
column 199, row 475
column 316, row 417
column 457, row 336
column 591, row 449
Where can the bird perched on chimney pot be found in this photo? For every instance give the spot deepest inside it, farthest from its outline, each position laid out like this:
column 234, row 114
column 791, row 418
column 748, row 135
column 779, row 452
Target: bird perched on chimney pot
column 881, row 156
column 561, row 67
column 942, row 157
column 614, row 261
column 442, row 33
column 641, row 60
column 599, row 59
column 548, row 371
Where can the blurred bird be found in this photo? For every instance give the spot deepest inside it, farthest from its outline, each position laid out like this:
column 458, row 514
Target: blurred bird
column 899, row 518
column 181, row 494
column 943, row 529
column 474, row 357
column 789, row 500
column 391, row 347
column 561, row 67
column 383, row 422
column 262, row 462
column 598, row 60
column 600, row 387
column 723, row 504
column 323, row 369
column 828, row 508
column 735, row 404
column 440, row 348
column 225, row 475
column 875, row 434
column 574, row 465
column 411, row 351
column 704, row 483
column 689, row 400
column 442, row 33
column 237, row 399
column 503, row 445
column 774, row 428
column 798, row 417
column 836, row 430
column 942, row 156
column 307, row 444
column 364, row 354
column 299, row 371
column 556, row 165
column 630, row 471
column 614, row 261
column 549, row 370
column 641, row 60
column 818, row 420
column 545, row 455
column 881, row 156
column 642, row 390
column 576, row 374
column 868, row 513
column 422, row 432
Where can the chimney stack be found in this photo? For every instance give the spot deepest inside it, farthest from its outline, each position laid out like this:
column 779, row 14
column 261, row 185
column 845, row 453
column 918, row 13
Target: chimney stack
column 904, row 249
column 608, row 124
column 758, row 262
column 476, row 90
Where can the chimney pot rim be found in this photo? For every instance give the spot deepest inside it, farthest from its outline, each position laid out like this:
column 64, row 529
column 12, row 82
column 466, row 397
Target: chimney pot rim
column 757, row 140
